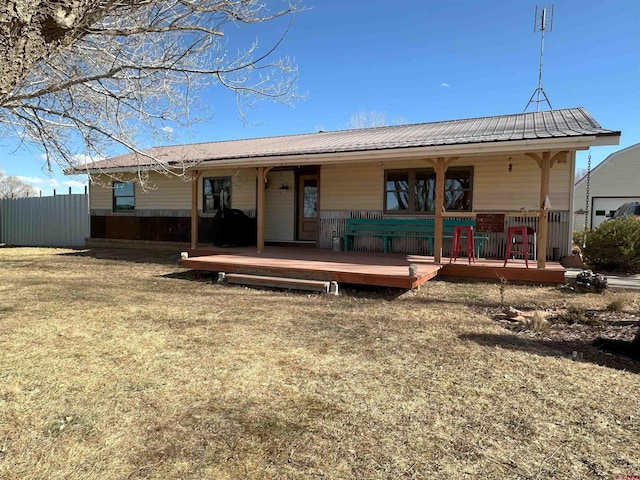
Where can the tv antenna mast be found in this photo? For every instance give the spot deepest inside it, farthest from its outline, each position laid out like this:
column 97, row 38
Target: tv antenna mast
column 543, row 22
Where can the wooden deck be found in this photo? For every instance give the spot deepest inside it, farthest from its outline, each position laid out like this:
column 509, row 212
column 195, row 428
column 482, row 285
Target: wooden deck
column 515, row 271
column 385, row 270
column 316, row 264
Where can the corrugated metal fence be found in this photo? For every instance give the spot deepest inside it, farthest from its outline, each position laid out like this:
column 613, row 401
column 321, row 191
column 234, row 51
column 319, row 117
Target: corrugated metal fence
column 58, row 221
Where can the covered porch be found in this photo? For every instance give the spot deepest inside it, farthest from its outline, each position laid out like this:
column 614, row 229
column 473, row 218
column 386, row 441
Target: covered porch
column 362, row 268
column 320, row 228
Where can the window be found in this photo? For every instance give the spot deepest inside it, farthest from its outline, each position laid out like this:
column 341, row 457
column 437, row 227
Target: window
column 216, row 193
column 123, row 196
column 413, row 191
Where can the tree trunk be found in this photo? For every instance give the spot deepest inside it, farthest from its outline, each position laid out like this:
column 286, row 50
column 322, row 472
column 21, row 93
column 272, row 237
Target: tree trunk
column 33, row 29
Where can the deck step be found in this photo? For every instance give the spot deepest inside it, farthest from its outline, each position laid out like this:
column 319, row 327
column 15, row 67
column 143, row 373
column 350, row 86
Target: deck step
column 280, row 282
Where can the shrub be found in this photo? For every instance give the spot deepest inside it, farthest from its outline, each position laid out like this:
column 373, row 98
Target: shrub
column 618, row 304
column 537, row 323
column 614, row 245
column 579, row 315
column 578, row 237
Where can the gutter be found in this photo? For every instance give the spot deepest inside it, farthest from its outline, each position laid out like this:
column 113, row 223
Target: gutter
column 402, row 153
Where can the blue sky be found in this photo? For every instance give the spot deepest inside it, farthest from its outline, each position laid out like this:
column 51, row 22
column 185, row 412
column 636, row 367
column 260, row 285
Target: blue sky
column 421, row 61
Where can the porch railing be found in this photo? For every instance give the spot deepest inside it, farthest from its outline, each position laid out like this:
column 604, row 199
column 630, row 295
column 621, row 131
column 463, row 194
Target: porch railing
column 332, row 222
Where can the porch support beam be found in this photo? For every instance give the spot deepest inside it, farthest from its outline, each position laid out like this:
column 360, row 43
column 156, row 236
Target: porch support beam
column 441, row 168
column 261, row 174
column 194, row 209
column 543, row 219
column 440, row 165
column 560, row 157
column 434, row 161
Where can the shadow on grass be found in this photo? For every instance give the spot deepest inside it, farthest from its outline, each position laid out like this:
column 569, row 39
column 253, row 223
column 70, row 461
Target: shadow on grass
column 193, row 275
column 127, row 255
column 472, row 303
column 555, row 348
column 346, row 289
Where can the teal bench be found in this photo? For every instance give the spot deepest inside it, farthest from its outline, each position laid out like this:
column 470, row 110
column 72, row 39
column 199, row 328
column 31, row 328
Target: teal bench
column 389, row 228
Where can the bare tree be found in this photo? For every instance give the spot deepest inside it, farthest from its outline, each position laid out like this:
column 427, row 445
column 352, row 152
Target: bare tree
column 368, row 119
column 580, row 172
column 89, row 76
column 372, row 118
column 13, row 187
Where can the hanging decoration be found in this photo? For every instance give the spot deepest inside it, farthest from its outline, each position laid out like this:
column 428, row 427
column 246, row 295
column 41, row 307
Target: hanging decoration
column 283, row 184
column 586, row 202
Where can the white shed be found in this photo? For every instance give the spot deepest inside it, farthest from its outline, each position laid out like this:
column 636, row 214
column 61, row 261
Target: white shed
column 614, row 181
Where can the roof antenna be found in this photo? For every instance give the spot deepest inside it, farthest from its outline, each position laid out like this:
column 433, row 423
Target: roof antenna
column 543, row 22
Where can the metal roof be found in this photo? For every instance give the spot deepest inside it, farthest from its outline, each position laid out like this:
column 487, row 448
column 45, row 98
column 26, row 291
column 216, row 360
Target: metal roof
column 565, row 123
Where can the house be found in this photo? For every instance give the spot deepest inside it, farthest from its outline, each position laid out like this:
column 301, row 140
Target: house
column 612, row 182
column 300, row 189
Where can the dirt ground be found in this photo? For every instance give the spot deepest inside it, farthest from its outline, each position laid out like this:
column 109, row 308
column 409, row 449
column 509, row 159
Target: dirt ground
column 576, row 339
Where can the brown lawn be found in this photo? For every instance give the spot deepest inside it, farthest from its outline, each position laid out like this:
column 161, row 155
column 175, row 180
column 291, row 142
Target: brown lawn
column 115, row 365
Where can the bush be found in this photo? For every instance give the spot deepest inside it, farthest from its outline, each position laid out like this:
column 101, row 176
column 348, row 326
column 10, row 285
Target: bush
column 578, row 238
column 581, row 316
column 617, row 305
column 614, row 245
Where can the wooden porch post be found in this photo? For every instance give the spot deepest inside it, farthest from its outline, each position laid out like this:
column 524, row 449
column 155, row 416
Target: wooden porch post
column 543, row 219
column 441, row 169
column 260, row 208
column 194, row 209
column 545, row 161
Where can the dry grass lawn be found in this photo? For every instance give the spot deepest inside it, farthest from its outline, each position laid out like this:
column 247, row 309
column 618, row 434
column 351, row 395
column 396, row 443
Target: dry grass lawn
column 114, row 365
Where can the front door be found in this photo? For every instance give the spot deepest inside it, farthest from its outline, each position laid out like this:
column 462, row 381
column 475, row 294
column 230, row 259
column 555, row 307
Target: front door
column 307, row 207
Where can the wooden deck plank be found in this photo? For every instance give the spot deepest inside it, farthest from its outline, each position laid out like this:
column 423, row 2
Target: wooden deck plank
column 278, row 282
column 515, row 271
column 386, row 270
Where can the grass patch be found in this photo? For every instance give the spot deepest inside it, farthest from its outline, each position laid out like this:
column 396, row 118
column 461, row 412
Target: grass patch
column 118, row 366
column 580, row 315
column 537, row 323
column 617, row 305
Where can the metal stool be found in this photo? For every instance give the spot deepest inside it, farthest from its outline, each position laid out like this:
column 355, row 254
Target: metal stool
column 458, row 231
column 518, row 243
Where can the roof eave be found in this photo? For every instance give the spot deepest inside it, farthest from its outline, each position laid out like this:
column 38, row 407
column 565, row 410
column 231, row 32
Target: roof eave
column 472, row 149
column 602, row 139
column 356, row 156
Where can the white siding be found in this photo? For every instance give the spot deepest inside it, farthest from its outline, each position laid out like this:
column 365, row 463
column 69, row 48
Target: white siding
column 100, row 193
column 351, row 187
column 280, row 207
column 159, row 193
column 174, row 193
column 495, row 188
column 243, row 187
column 615, row 178
column 164, row 193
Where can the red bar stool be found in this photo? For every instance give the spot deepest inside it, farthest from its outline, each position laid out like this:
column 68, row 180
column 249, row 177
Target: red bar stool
column 518, row 243
column 467, row 231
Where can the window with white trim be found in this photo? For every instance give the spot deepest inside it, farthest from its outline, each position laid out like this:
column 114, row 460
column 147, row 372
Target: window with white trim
column 412, row 191
column 124, row 199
